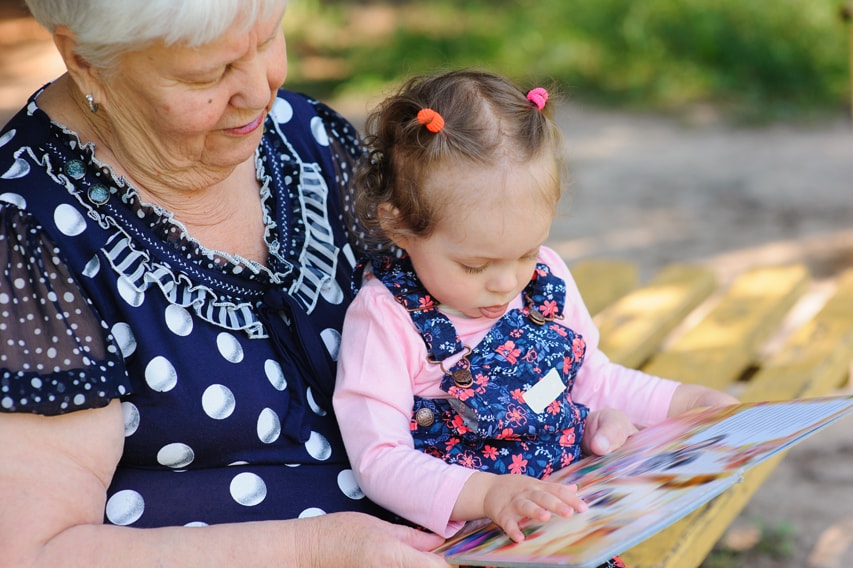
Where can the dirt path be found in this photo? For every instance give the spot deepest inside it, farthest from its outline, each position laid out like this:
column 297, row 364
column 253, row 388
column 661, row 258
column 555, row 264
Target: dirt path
column 660, row 191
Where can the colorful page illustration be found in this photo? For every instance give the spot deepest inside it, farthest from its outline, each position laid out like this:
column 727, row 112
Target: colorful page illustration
column 660, row 475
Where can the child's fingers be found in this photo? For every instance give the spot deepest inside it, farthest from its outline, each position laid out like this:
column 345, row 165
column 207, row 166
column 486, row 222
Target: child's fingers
column 559, row 501
column 537, row 506
column 569, row 495
column 514, row 498
column 511, row 528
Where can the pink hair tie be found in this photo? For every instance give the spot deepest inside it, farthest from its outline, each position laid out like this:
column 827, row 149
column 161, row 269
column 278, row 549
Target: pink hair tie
column 538, row 96
column 433, row 121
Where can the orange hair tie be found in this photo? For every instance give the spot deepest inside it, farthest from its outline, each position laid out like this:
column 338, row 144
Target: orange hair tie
column 433, row 121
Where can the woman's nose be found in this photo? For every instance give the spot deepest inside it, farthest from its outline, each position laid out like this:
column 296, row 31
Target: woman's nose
column 260, row 77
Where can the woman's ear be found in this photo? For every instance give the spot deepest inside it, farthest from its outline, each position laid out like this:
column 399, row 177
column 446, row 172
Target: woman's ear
column 81, row 71
column 389, row 220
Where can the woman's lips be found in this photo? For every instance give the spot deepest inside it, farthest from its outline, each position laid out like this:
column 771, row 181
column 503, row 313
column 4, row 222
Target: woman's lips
column 246, row 128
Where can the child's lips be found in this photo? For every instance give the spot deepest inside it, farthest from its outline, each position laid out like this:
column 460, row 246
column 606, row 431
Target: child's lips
column 493, row 311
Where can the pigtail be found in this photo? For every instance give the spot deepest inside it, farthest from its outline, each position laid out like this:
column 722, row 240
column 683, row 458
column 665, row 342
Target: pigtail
column 538, row 96
column 430, row 119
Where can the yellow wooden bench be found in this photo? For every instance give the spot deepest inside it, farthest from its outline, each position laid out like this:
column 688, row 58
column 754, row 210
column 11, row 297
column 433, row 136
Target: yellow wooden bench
column 685, row 326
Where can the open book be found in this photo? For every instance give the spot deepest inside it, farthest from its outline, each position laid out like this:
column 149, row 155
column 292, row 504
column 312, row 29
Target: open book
column 661, row 474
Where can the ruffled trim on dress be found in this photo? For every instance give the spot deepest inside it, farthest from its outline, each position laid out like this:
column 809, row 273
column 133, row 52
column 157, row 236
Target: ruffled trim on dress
column 317, row 254
column 140, row 270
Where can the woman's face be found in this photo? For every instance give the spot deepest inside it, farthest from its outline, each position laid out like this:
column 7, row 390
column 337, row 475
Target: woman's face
column 175, row 109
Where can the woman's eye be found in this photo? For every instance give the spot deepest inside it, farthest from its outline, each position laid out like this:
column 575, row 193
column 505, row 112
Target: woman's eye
column 210, row 79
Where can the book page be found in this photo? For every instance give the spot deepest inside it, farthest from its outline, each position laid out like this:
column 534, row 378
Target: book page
column 661, row 474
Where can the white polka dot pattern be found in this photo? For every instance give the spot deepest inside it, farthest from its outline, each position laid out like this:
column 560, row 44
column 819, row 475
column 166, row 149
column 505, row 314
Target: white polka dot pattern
column 125, row 507
column 135, row 308
column 248, row 489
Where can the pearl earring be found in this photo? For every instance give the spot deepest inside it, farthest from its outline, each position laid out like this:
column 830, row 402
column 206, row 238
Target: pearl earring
column 93, row 106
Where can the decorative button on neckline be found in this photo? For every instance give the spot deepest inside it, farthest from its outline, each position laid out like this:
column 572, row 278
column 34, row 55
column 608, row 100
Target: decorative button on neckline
column 75, row 169
column 98, row 194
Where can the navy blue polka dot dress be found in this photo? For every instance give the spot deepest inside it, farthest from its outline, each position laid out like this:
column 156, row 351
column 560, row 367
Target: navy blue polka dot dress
column 223, row 366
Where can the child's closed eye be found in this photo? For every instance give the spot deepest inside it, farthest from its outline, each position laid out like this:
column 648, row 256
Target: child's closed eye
column 474, row 269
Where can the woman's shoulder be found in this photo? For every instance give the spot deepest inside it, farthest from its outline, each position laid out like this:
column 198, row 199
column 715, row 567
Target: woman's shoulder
column 299, row 117
column 293, row 108
column 31, row 167
column 30, row 126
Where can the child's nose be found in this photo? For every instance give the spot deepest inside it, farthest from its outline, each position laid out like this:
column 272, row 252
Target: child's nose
column 502, row 282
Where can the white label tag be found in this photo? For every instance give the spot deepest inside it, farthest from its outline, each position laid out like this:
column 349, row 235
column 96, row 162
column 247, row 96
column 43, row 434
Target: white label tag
column 543, row 393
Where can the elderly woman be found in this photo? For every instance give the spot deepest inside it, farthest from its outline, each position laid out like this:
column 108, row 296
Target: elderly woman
column 176, row 273
column 177, row 269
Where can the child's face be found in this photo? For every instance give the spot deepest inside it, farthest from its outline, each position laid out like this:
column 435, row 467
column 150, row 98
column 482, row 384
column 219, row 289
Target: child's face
column 484, row 248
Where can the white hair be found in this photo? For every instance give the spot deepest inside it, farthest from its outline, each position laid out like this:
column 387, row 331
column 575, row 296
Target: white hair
column 107, row 28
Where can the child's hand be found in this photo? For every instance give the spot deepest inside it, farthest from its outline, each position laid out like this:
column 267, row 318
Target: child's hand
column 689, row 396
column 507, row 499
column 606, row 430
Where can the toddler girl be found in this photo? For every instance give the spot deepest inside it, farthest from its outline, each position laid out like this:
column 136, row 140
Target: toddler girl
column 468, row 352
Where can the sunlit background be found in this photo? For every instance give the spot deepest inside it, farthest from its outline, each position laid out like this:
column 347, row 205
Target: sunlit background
column 751, row 59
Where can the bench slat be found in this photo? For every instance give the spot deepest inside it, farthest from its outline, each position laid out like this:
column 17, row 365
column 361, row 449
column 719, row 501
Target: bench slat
column 719, row 348
column 816, row 358
column 635, row 326
column 603, row 281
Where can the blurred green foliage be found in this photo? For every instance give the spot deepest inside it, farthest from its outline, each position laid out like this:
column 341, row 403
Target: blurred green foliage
column 750, row 59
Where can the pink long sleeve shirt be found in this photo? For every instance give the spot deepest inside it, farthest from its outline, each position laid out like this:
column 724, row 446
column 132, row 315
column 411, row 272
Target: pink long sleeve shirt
column 382, row 365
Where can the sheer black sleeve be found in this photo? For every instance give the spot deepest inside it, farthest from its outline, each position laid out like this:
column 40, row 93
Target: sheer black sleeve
column 57, row 355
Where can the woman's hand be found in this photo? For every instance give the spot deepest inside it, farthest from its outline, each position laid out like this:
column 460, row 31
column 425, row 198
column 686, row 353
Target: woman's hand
column 359, row 540
column 507, row 499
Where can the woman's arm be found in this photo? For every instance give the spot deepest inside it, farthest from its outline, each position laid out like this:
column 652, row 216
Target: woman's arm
column 54, row 472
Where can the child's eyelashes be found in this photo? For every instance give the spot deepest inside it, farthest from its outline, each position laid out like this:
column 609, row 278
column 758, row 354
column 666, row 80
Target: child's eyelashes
column 474, row 269
column 532, row 257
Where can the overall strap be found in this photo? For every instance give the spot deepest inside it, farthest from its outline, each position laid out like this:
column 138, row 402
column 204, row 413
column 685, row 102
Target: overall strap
column 436, row 329
column 544, row 298
column 545, row 295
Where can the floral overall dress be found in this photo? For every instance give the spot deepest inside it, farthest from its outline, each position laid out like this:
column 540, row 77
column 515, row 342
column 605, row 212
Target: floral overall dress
column 510, row 408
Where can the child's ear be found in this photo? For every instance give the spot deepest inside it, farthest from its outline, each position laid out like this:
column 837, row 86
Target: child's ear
column 389, row 220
